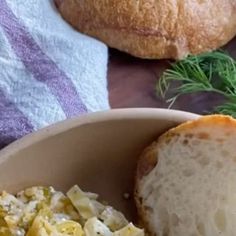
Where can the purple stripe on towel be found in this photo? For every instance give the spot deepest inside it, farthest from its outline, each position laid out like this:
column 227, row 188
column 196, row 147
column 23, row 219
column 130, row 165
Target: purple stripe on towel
column 13, row 123
column 39, row 64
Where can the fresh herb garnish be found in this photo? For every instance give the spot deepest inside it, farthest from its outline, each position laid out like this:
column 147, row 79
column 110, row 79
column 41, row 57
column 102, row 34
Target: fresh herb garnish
column 209, row 72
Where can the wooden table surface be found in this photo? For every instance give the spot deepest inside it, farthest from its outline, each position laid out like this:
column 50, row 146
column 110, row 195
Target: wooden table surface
column 132, row 83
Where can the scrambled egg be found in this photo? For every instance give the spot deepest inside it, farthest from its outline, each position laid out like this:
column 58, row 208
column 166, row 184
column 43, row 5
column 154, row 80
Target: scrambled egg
column 41, row 211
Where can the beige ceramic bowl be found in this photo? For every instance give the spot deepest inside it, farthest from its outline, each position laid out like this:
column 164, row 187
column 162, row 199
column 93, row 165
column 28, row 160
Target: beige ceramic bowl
column 97, row 151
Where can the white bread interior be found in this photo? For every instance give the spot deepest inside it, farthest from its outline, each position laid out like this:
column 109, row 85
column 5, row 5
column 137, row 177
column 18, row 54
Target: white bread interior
column 191, row 188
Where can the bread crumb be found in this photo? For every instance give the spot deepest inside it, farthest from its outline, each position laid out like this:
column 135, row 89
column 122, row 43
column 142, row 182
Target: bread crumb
column 126, row 196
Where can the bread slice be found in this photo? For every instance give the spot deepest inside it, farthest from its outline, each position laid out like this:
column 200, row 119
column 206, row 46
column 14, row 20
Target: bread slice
column 186, row 180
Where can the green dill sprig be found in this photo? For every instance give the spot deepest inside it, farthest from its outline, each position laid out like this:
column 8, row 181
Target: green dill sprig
column 209, row 72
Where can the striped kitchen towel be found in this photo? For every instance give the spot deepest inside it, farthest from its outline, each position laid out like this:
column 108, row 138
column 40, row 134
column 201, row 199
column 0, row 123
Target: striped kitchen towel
column 48, row 71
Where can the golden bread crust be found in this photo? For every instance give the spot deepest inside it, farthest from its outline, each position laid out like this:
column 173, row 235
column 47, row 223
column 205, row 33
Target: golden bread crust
column 147, row 161
column 154, row 29
column 149, row 158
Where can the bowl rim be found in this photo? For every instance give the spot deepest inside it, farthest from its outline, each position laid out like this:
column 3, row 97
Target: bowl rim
column 93, row 117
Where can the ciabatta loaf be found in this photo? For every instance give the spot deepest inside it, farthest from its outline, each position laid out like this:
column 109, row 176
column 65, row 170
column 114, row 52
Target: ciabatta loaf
column 186, row 181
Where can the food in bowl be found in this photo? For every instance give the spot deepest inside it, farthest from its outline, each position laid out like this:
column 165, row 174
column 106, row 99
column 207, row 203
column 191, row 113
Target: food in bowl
column 186, row 180
column 43, row 211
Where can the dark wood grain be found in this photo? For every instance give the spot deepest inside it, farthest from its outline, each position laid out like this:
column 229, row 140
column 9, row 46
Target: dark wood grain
column 132, row 83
